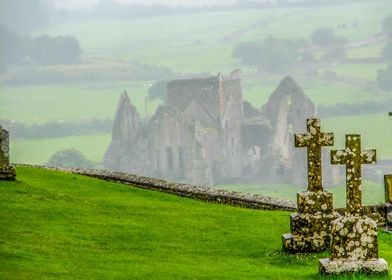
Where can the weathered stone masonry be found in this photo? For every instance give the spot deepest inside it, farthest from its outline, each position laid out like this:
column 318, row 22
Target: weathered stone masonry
column 311, row 226
column 7, row 171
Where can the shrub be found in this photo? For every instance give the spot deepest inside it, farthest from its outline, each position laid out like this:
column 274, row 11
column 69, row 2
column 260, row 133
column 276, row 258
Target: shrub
column 384, row 78
column 69, row 158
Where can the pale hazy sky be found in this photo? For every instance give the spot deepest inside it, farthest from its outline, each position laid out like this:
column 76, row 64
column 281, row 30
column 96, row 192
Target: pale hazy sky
column 78, row 4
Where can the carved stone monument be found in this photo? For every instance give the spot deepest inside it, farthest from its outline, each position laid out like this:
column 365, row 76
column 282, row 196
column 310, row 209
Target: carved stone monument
column 354, row 246
column 388, row 202
column 7, row 172
column 311, row 226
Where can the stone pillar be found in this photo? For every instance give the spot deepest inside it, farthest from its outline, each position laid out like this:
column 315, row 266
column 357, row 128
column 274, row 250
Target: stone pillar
column 311, row 226
column 388, row 202
column 354, row 246
column 7, row 171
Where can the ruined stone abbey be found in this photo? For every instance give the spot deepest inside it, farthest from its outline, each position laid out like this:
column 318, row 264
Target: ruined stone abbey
column 207, row 134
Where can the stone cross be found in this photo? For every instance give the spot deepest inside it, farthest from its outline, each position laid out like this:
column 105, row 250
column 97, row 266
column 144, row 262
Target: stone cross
column 314, row 139
column 4, row 147
column 353, row 157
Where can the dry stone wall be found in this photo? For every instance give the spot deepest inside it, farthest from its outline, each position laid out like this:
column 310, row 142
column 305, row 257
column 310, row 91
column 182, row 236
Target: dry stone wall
column 246, row 200
column 207, row 194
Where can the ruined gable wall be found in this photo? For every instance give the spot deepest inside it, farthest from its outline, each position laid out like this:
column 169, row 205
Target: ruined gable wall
column 126, row 126
column 287, row 110
column 170, row 135
column 231, row 107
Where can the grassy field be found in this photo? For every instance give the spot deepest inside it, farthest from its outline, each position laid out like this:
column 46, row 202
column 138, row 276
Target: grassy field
column 70, row 102
column 61, row 226
column 38, row 151
column 193, row 44
column 375, row 130
column 170, row 40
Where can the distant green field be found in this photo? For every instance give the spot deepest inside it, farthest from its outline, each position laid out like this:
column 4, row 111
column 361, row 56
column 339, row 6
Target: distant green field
column 366, row 71
column 373, row 193
column 204, row 42
column 38, row 151
column 63, row 226
column 69, row 102
column 375, row 130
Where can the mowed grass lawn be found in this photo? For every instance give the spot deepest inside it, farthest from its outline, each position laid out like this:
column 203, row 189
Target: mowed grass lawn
column 55, row 225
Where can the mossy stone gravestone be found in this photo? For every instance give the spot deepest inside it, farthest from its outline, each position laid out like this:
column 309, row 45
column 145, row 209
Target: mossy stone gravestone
column 388, row 201
column 7, row 172
column 311, row 226
column 354, row 246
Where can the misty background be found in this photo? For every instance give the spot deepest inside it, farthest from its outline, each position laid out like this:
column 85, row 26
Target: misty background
column 64, row 64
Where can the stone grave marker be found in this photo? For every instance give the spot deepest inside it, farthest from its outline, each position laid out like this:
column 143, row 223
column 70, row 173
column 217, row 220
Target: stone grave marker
column 354, row 246
column 311, row 226
column 388, row 202
column 7, row 172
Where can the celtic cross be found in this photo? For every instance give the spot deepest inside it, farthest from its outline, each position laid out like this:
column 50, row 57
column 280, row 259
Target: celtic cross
column 353, row 157
column 314, row 139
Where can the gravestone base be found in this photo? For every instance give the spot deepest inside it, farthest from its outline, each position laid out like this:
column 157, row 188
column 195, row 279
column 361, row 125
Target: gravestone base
column 7, row 172
column 300, row 244
column 376, row 266
column 311, row 226
column 354, row 247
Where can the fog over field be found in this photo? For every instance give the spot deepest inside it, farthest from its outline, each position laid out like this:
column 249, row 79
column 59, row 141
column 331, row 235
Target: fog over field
column 203, row 92
column 86, row 4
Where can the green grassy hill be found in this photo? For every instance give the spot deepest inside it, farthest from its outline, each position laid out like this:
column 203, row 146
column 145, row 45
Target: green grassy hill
column 55, row 225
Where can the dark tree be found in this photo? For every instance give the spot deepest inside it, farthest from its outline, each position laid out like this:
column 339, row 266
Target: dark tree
column 325, row 37
column 387, row 25
column 158, row 90
column 335, row 54
column 248, row 52
column 384, row 78
column 387, row 51
column 69, row 158
column 47, row 50
column 12, row 47
column 273, row 54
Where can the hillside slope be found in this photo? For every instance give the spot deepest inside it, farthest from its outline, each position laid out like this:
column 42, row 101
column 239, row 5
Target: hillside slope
column 55, row 225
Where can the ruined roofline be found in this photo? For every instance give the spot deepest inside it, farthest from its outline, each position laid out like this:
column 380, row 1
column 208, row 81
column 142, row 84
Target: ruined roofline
column 192, row 81
column 233, row 76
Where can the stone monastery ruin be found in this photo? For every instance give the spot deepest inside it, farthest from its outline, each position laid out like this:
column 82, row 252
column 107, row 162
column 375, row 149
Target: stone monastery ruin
column 207, row 134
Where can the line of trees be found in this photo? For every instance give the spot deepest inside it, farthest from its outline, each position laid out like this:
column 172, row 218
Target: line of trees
column 274, row 54
column 21, row 130
column 384, row 76
column 42, row 50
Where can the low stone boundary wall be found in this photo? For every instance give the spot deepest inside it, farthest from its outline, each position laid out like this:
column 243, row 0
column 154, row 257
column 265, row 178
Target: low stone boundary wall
column 207, row 194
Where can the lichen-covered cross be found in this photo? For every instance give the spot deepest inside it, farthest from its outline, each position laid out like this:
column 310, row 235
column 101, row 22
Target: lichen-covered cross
column 314, row 139
column 353, row 157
